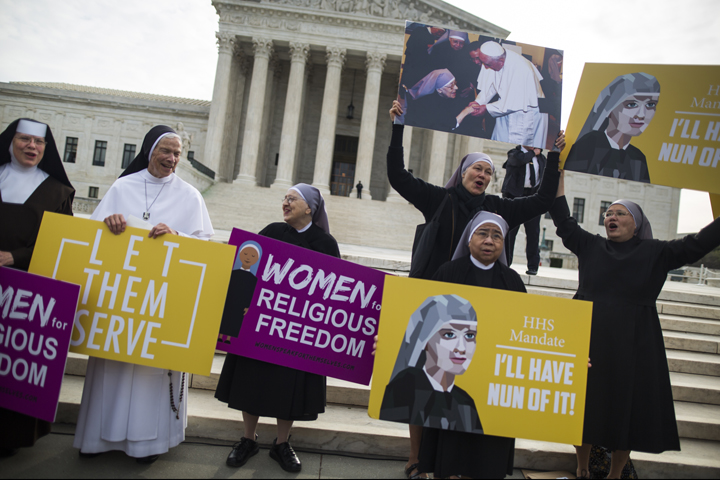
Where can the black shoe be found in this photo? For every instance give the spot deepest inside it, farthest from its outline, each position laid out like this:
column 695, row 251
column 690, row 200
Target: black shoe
column 147, row 460
column 88, row 455
column 531, row 271
column 285, row 456
column 8, row 452
column 242, row 451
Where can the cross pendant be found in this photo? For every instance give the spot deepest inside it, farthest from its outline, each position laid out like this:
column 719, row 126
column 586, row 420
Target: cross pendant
column 146, row 216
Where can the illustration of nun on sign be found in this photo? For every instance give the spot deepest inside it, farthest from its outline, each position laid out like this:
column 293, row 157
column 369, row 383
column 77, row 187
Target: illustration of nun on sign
column 243, row 280
column 439, row 345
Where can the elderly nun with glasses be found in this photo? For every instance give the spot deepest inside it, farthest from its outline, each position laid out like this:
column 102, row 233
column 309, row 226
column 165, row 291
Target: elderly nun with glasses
column 629, row 402
column 260, row 389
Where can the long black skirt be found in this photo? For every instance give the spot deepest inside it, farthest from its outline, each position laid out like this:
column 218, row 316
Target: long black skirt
column 266, row 390
column 18, row 430
column 447, row 453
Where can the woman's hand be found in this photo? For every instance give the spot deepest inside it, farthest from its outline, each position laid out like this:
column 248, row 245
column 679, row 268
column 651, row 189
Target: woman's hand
column 6, row 259
column 396, row 110
column 116, row 223
column 560, row 140
column 589, row 364
column 375, row 342
column 161, row 229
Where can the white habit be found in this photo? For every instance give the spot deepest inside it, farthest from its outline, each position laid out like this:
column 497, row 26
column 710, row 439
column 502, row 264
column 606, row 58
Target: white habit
column 124, row 406
column 517, row 115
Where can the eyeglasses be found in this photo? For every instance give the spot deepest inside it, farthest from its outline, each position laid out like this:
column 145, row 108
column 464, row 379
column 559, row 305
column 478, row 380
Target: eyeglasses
column 483, row 234
column 289, row 199
column 27, row 140
column 611, row 213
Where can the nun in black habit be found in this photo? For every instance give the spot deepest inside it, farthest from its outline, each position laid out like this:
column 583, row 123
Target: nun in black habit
column 480, row 261
column 32, row 181
column 629, row 403
column 261, row 389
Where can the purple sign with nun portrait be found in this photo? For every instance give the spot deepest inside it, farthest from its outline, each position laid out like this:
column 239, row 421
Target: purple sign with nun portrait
column 36, row 322
column 301, row 309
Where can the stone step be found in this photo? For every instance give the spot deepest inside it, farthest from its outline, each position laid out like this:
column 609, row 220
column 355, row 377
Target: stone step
column 350, row 430
column 687, row 387
column 676, row 323
column 686, row 309
column 697, row 420
column 692, row 342
column 693, row 362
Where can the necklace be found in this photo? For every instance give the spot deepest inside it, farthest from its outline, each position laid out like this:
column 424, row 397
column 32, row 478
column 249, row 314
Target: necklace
column 146, row 213
column 176, row 410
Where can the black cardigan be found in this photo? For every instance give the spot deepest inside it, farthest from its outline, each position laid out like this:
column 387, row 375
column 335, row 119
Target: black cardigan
column 427, row 198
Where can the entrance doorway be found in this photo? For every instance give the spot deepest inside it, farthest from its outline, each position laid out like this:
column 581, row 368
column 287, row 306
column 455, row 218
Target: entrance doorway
column 344, row 160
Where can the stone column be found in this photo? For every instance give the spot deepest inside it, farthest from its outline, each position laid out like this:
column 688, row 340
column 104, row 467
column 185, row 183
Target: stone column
column 256, row 103
column 368, row 125
column 438, row 157
column 299, row 53
column 328, row 119
column 218, row 108
column 394, row 196
column 240, row 69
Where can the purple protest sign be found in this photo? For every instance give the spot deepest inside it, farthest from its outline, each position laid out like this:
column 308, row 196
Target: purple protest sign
column 294, row 307
column 36, row 322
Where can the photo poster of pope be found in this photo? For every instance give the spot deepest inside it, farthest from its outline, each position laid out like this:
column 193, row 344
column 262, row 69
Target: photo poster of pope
column 243, row 280
column 439, row 345
column 485, row 87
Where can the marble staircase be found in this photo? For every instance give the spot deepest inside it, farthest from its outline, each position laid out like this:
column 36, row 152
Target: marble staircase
column 690, row 318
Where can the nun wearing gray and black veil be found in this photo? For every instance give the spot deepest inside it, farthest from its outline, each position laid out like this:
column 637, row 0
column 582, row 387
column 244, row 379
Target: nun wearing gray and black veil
column 623, row 110
column 479, row 260
column 629, row 402
column 261, row 389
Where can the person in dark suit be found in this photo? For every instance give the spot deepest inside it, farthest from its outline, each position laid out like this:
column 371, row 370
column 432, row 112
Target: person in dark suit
column 525, row 167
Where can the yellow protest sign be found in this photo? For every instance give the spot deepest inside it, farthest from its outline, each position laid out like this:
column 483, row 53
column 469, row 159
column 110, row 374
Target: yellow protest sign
column 154, row 302
column 655, row 124
column 512, row 364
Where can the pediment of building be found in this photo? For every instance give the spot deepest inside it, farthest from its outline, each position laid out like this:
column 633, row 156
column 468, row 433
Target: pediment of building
column 432, row 12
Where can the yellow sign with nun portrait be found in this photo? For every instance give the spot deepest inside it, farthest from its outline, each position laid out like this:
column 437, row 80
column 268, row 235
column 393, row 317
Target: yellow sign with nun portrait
column 480, row 360
column 656, row 124
column 154, row 302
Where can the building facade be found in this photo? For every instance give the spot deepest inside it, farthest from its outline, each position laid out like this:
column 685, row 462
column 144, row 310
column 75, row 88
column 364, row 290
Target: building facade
column 301, row 94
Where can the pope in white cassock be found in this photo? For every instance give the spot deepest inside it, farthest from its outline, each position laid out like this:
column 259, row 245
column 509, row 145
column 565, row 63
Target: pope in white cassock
column 140, row 410
column 516, row 82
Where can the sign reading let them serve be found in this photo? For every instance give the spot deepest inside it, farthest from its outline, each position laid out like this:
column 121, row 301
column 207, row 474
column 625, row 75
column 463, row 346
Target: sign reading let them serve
column 154, row 302
column 525, row 370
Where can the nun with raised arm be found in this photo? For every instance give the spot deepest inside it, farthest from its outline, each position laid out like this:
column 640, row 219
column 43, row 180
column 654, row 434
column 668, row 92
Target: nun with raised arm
column 629, row 402
column 141, row 410
column 32, row 181
column 479, row 260
column 452, row 207
column 261, row 389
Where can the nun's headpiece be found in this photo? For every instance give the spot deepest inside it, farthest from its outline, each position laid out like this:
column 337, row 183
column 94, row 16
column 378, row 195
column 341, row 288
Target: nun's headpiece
column 425, row 322
column 448, row 35
column 51, row 162
column 151, row 140
column 643, row 230
column 468, row 161
column 432, row 82
column 316, row 202
column 481, row 218
column 614, row 94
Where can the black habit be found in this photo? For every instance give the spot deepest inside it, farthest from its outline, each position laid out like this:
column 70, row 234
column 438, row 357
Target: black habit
column 435, row 112
column 463, row 206
column 267, row 390
column 629, row 403
column 445, row 452
column 593, row 154
column 20, row 225
column 238, row 298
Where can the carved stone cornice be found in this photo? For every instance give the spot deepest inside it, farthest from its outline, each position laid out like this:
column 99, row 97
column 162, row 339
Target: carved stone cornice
column 263, row 47
column 299, row 52
column 336, row 56
column 375, row 61
column 225, row 42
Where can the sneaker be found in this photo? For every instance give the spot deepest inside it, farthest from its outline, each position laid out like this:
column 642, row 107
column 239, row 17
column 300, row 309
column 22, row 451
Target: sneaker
column 531, row 271
column 285, row 456
column 242, row 451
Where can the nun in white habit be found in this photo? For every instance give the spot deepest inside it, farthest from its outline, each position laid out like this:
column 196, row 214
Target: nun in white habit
column 136, row 409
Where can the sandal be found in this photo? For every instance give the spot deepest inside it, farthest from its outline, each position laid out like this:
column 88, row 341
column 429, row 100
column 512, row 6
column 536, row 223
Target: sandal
column 417, row 475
